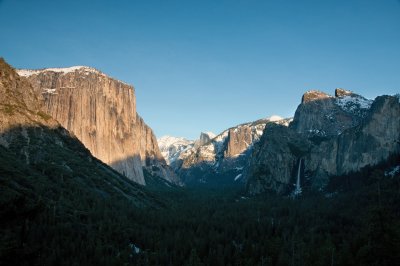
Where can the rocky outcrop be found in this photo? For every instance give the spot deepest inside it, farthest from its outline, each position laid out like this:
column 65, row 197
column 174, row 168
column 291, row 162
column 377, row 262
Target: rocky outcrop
column 361, row 133
column 322, row 115
column 101, row 112
column 238, row 140
column 314, row 95
column 205, row 137
column 222, row 158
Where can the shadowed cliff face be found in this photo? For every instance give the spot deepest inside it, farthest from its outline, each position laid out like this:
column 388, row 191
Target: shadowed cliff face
column 333, row 136
column 101, row 112
column 274, row 159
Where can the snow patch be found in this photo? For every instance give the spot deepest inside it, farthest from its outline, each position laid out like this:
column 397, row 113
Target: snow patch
column 352, row 103
column 66, row 70
column 393, row 171
column 219, row 140
column 210, row 134
column 166, row 141
column 49, row 91
column 275, row 118
column 238, row 176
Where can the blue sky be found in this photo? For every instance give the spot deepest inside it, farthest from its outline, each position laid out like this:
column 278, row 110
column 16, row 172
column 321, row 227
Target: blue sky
column 209, row 65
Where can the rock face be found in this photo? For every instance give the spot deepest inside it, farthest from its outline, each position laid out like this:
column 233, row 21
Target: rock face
column 274, row 159
column 239, row 140
column 332, row 136
column 101, row 112
column 222, row 158
column 322, row 115
column 205, row 137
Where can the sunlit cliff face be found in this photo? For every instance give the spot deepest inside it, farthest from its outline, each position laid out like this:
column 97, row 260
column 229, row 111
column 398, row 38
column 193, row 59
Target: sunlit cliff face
column 101, row 112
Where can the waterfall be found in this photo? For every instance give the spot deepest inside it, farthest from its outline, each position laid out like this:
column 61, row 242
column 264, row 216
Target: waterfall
column 297, row 191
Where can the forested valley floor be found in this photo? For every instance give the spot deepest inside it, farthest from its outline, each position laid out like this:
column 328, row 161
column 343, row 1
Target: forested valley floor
column 354, row 221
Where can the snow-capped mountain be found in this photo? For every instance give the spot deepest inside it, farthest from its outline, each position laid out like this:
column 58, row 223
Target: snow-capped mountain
column 223, row 155
column 172, row 147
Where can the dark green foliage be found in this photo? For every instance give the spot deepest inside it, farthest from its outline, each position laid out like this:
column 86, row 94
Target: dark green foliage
column 64, row 207
column 204, row 225
column 52, row 216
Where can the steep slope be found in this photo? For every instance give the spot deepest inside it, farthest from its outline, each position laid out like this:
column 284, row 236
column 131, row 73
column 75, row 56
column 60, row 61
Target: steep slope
column 222, row 158
column 101, row 112
column 330, row 136
column 51, row 188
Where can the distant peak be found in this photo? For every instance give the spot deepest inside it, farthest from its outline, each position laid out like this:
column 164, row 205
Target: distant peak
column 209, row 134
column 165, row 141
column 313, row 95
column 275, row 118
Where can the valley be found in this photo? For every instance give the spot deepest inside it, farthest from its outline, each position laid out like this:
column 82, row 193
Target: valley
column 84, row 181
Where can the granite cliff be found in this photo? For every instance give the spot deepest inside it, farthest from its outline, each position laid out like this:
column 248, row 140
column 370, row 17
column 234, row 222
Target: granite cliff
column 331, row 135
column 101, row 112
column 40, row 158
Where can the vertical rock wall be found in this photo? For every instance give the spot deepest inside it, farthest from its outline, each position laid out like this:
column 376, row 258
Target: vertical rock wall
column 101, row 112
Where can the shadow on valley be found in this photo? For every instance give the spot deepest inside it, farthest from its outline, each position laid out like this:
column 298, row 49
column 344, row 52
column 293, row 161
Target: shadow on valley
column 61, row 206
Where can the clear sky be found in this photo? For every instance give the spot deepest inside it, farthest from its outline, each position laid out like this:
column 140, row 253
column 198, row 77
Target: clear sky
column 208, row 65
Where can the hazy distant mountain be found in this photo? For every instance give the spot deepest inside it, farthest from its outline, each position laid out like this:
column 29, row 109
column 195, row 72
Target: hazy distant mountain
column 220, row 158
column 171, row 147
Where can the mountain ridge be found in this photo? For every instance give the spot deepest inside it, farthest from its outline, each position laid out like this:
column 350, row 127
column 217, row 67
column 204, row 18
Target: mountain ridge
column 222, row 157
